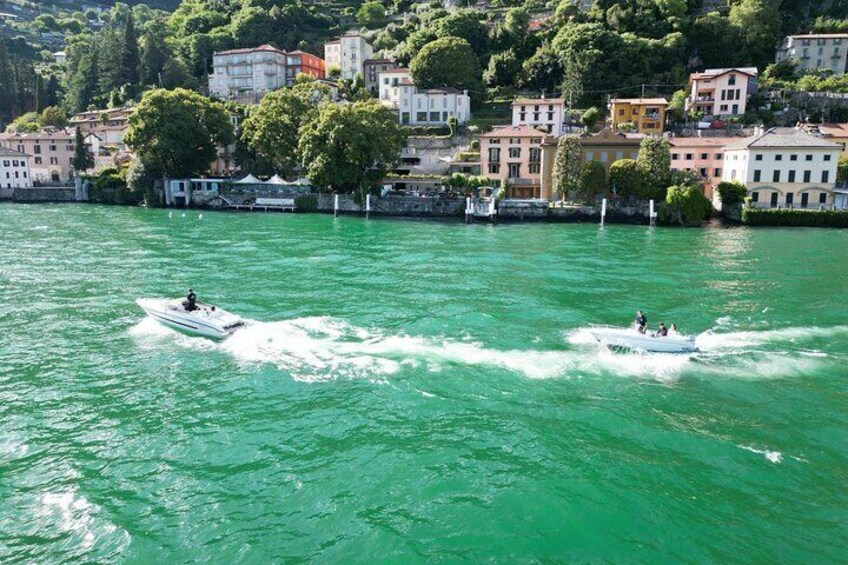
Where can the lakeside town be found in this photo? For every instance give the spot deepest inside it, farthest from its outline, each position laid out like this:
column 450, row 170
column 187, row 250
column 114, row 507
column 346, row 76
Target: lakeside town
column 416, row 145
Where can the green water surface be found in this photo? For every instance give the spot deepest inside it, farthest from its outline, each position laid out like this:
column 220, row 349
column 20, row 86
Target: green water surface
column 418, row 391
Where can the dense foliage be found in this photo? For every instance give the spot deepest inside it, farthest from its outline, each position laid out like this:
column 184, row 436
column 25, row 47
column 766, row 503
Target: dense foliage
column 732, row 192
column 685, row 205
column 805, row 218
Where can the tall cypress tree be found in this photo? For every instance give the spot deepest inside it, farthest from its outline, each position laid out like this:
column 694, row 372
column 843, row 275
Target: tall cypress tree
column 82, row 159
column 130, row 58
column 8, row 86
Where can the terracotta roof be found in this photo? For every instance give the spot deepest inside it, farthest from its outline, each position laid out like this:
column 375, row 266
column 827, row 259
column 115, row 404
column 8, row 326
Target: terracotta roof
column 713, row 73
column 514, row 131
column 266, row 47
column 784, row 137
column 48, row 133
column 396, row 71
column 639, row 101
column 838, row 130
column 539, row 101
column 717, row 142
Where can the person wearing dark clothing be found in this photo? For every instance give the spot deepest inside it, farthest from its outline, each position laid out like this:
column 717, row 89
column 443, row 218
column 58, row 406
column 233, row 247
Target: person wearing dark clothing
column 662, row 331
column 641, row 322
column 191, row 301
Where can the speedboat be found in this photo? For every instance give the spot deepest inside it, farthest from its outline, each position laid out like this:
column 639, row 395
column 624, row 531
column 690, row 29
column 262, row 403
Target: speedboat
column 631, row 339
column 204, row 320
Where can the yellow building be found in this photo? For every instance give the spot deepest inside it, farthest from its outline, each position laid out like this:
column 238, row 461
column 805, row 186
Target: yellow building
column 646, row 114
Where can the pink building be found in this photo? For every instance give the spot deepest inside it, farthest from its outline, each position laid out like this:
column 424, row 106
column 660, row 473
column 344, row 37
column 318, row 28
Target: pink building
column 514, row 153
column 721, row 92
column 703, row 155
column 51, row 151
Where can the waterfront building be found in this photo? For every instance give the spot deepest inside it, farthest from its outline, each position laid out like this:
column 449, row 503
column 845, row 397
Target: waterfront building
column 814, row 51
column 349, row 53
column 721, row 92
column 51, row 151
column 784, row 167
column 14, row 169
column 644, row 115
column 248, row 74
column 546, row 114
column 837, row 133
column 422, row 107
column 514, row 154
column 372, row 69
column 109, row 125
column 303, row 63
column 702, row 155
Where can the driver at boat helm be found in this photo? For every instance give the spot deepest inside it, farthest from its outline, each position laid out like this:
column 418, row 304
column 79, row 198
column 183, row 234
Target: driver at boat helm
column 662, row 331
column 641, row 321
column 191, row 298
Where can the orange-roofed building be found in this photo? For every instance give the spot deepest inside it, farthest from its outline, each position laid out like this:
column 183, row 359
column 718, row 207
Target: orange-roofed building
column 514, row 153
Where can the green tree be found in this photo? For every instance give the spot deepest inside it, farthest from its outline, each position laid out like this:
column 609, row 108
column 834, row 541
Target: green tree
column 593, row 181
column 8, row 88
column 130, row 59
column 842, row 169
column 654, row 160
column 53, row 116
column 371, row 13
column 543, row 71
column 677, row 106
column 626, row 179
column 503, row 69
column 448, row 61
column 178, row 131
column 685, row 205
column 154, row 56
column 759, row 25
column 25, row 123
column 733, row 192
column 273, row 128
column 465, row 24
column 568, row 166
column 349, row 146
column 590, row 117
column 516, row 21
column 82, row 160
column 82, row 84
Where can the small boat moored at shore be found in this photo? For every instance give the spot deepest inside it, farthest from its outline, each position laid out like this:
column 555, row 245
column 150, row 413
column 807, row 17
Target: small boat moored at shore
column 205, row 320
column 633, row 340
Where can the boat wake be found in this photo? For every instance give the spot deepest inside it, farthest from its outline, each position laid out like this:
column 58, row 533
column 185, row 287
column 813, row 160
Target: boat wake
column 325, row 348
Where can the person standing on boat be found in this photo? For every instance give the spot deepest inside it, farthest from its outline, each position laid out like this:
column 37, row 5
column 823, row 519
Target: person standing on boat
column 191, row 301
column 641, row 322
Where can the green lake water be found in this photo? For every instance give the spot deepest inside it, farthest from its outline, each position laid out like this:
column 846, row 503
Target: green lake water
column 413, row 391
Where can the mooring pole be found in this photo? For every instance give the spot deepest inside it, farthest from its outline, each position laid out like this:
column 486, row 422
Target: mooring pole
column 603, row 211
column 652, row 215
column 367, row 206
column 468, row 210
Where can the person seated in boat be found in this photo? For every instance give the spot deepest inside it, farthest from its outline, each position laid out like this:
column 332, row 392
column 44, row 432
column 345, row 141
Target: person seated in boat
column 672, row 331
column 662, row 331
column 641, row 322
column 190, row 303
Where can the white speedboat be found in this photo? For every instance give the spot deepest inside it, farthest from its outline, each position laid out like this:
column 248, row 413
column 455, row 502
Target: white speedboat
column 206, row 320
column 631, row 339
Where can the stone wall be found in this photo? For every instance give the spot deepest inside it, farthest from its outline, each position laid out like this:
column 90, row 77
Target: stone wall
column 539, row 210
column 6, row 193
column 44, row 194
column 408, row 206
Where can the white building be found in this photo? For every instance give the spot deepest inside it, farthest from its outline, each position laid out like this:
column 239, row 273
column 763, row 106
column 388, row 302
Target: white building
column 545, row 114
column 816, row 51
column 784, row 167
column 348, row 53
column 389, row 85
column 14, row 169
column 721, row 92
column 427, row 107
column 247, row 71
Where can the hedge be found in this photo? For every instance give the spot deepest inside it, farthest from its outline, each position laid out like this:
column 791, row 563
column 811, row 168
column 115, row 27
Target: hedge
column 807, row 218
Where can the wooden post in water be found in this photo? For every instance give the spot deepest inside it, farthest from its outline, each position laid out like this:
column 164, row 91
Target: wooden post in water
column 367, row 206
column 469, row 211
column 651, row 215
column 336, row 206
column 603, row 211
column 492, row 210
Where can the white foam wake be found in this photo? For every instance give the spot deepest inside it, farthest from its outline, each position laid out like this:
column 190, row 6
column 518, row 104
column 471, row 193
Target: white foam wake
column 725, row 341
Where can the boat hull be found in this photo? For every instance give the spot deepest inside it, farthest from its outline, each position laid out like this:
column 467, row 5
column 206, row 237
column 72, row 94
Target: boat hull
column 632, row 340
column 215, row 324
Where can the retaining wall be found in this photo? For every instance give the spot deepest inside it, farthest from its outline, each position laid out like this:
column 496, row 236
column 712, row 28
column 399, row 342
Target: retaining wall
column 44, row 194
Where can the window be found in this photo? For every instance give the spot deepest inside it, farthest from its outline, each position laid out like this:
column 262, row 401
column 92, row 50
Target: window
column 651, row 126
column 755, row 197
column 37, row 149
column 758, row 157
column 723, row 108
column 790, row 198
column 515, row 153
column 825, row 176
column 514, row 170
column 674, row 156
column 732, row 80
column 718, row 156
column 494, row 154
column 535, row 168
column 808, row 158
column 494, row 169
column 775, row 176
column 688, row 156
column 807, row 176
column 793, row 157
column 822, row 198
column 827, row 157
column 495, row 142
column 535, row 155
column 619, row 155
column 38, row 160
column 791, row 176
column 703, row 155
column 778, row 157
column 434, row 116
column 703, row 172
column 550, row 116
column 54, row 160
column 421, row 116
column 716, row 173
column 522, row 117
column 52, row 148
column 621, row 112
column 604, row 156
column 757, row 174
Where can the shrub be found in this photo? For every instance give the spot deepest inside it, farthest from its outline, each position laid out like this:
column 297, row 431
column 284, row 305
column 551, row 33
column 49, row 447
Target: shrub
column 685, row 205
column 306, row 203
column 731, row 193
column 805, row 218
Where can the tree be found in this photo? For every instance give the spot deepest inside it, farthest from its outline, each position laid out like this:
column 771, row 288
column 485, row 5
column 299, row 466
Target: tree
column 273, row 128
column 593, row 181
column 25, row 123
column 626, row 178
column 516, row 21
column 448, row 61
column 82, row 159
column 677, row 105
column 685, row 205
column 759, row 25
column 154, row 56
column 371, row 13
column 543, row 71
column 842, row 169
column 465, row 24
column 130, row 60
column 82, row 85
column 178, row 131
column 348, row 146
column 8, row 88
column 53, row 116
column 568, row 165
column 590, row 117
column 654, row 160
column 502, row 70
column 733, row 192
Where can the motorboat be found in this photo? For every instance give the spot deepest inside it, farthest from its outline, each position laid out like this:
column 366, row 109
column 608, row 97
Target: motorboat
column 204, row 320
column 633, row 340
